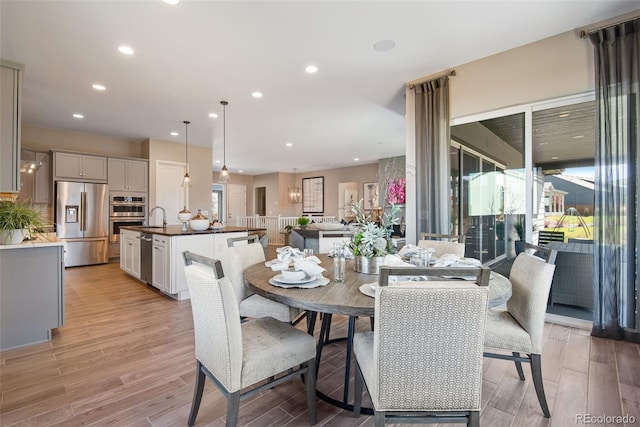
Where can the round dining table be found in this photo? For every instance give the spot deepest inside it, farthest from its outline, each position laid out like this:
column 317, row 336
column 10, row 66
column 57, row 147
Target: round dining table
column 342, row 298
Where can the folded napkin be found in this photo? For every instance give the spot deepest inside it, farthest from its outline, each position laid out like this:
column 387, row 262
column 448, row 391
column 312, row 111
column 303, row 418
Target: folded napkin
column 408, row 251
column 286, row 255
column 452, row 260
column 278, row 265
column 309, row 266
column 395, row 261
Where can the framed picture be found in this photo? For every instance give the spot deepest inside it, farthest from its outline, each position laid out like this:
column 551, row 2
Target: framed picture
column 370, row 195
column 313, row 195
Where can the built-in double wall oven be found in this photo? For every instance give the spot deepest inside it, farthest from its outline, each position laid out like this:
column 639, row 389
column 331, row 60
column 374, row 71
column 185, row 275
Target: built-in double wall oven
column 125, row 209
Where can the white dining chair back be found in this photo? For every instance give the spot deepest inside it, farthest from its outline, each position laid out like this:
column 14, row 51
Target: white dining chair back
column 441, row 247
column 520, row 328
column 239, row 257
column 235, row 355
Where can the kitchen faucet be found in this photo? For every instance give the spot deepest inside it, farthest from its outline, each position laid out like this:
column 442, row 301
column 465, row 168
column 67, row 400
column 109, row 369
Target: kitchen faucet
column 164, row 215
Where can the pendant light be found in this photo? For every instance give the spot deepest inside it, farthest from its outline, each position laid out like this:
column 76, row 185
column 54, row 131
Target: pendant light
column 187, row 179
column 224, row 172
column 295, row 195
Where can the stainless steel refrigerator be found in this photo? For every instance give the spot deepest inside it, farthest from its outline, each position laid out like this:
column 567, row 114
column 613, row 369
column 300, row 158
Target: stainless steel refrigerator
column 82, row 221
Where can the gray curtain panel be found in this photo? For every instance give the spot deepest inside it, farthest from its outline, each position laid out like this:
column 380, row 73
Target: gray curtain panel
column 616, row 260
column 433, row 168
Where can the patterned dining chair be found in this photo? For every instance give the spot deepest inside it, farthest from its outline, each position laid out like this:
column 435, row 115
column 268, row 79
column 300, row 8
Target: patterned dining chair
column 519, row 329
column 426, row 367
column 236, row 356
column 241, row 253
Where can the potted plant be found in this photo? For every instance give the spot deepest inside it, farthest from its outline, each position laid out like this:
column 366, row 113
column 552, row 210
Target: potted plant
column 303, row 221
column 17, row 221
column 372, row 241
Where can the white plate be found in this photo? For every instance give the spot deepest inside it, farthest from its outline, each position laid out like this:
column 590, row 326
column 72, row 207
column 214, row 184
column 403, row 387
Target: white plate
column 319, row 281
column 281, row 279
column 368, row 289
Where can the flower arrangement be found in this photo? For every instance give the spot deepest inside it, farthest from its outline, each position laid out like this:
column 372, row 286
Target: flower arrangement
column 372, row 239
column 396, row 190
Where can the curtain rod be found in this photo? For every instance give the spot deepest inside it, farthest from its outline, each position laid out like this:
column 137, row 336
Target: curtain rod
column 621, row 19
column 448, row 73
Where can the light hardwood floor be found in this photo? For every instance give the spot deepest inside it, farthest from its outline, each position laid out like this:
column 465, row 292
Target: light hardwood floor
column 125, row 357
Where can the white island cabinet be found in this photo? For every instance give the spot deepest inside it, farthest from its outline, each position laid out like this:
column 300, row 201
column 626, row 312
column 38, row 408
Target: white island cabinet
column 167, row 263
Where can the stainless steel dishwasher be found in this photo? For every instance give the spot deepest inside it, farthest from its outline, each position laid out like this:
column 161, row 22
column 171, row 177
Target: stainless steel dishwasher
column 146, row 265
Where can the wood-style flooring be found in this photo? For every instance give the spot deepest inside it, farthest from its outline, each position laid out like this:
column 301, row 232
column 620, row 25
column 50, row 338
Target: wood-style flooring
column 125, row 357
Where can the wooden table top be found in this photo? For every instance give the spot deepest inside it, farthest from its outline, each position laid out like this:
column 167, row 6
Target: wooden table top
column 342, row 298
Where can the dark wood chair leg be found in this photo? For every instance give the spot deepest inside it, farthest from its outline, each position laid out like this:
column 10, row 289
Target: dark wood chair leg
column 357, row 392
column 233, row 407
column 197, row 393
column 536, row 373
column 372, row 321
column 310, row 388
column 518, row 365
column 378, row 418
column 474, row 419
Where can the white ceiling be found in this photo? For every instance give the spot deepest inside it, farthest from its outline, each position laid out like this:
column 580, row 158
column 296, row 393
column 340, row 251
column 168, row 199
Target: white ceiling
column 191, row 56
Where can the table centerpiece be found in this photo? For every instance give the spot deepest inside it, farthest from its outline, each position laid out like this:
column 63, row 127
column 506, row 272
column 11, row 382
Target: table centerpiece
column 372, row 240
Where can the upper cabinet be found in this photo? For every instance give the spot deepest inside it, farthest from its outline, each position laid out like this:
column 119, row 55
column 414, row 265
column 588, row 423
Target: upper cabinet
column 128, row 175
column 79, row 167
column 10, row 123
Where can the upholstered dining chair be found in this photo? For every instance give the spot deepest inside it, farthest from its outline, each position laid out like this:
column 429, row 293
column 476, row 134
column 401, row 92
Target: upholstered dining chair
column 241, row 253
column 426, row 367
column 236, row 356
column 443, row 243
column 519, row 329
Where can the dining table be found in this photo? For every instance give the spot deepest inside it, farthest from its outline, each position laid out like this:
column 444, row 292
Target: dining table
column 340, row 298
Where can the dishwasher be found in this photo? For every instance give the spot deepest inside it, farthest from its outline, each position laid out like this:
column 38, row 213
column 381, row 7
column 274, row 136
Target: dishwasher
column 146, row 248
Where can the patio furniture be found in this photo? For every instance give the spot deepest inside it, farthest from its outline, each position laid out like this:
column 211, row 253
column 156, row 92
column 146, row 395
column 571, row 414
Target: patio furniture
column 573, row 280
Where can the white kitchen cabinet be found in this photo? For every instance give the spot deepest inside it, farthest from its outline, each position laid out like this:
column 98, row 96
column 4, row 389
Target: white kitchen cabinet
column 78, row 166
column 130, row 252
column 161, row 262
column 10, row 125
column 128, row 175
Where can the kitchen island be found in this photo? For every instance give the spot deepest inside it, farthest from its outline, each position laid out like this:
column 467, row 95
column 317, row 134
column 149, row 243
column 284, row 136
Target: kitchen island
column 31, row 291
column 154, row 254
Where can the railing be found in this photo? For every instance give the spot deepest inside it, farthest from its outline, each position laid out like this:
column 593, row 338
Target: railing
column 275, row 225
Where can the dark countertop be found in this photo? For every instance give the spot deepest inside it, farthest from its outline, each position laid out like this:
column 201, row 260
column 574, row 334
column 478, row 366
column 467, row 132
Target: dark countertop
column 175, row 230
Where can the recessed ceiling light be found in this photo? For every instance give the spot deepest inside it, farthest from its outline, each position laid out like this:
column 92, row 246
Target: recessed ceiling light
column 578, row 137
column 78, row 116
column 256, row 95
column 288, row 144
column 356, row 159
column 240, row 171
column 563, row 114
column 311, row 69
column 174, row 133
column 172, row 2
column 99, row 87
column 384, row 45
column 126, row 50
column 213, row 115
column 217, row 161
column 555, row 158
